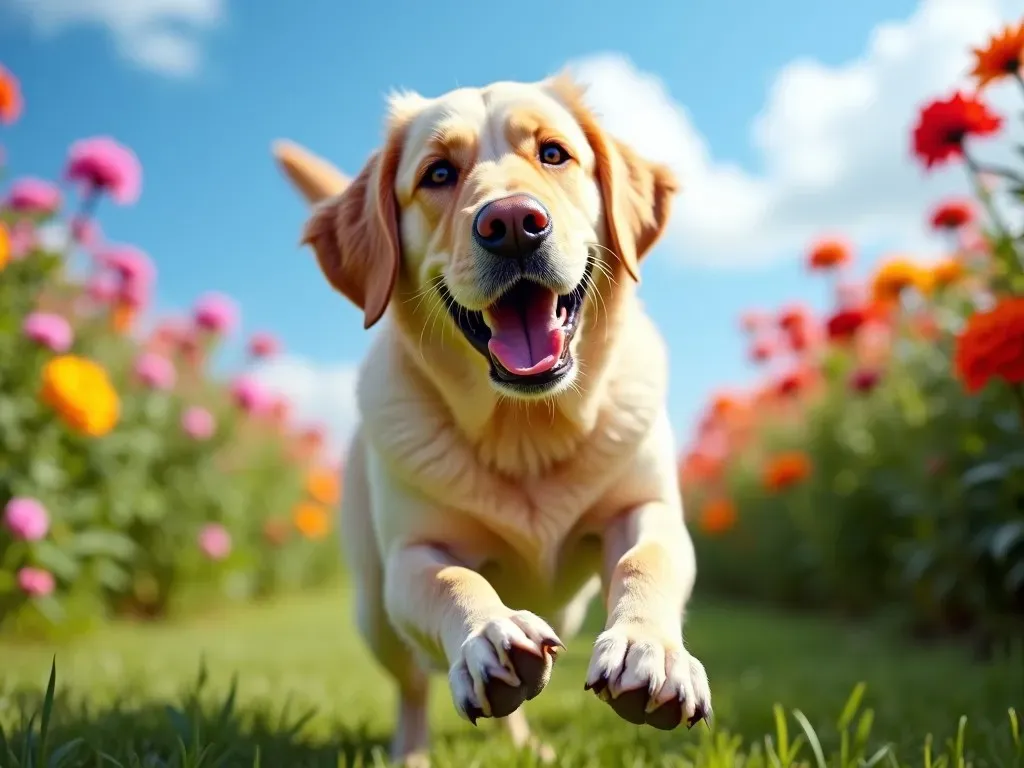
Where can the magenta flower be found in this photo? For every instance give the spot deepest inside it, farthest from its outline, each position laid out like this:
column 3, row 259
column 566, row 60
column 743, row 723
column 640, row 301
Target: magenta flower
column 198, row 423
column 103, row 165
column 49, row 330
column 250, row 395
column 263, row 345
column 33, row 197
column 216, row 313
column 26, row 518
column 35, row 582
column 215, row 541
column 155, row 371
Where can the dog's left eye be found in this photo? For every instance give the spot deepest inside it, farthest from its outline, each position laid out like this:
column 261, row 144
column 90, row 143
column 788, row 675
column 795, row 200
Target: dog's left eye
column 441, row 173
column 552, row 153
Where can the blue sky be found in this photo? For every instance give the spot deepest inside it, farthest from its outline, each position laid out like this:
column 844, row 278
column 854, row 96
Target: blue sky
column 214, row 213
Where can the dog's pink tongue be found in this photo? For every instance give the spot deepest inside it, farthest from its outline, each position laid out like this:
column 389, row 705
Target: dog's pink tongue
column 526, row 332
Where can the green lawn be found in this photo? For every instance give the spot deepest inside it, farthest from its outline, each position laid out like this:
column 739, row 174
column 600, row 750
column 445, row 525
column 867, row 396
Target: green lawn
column 129, row 693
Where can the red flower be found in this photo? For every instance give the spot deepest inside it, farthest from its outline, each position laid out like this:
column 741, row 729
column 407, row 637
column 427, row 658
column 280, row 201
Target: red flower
column 793, row 316
column 953, row 214
column 943, row 126
column 865, row 380
column 844, row 324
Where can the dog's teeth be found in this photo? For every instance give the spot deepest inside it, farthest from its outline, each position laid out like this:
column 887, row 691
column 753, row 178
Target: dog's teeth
column 563, row 315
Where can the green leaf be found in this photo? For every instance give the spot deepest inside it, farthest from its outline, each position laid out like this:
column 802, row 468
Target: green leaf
column 982, row 474
column 53, row 558
column 1006, row 537
column 99, row 542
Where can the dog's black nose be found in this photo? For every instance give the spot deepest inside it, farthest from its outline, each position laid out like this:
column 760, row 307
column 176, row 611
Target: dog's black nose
column 512, row 227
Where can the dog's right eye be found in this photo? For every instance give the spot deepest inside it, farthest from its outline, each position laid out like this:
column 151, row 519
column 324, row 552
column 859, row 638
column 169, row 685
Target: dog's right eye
column 440, row 173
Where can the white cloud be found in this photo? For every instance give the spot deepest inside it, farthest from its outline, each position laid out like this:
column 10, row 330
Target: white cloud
column 320, row 393
column 834, row 142
column 160, row 35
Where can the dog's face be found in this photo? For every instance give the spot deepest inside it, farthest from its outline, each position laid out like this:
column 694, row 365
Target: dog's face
column 503, row 208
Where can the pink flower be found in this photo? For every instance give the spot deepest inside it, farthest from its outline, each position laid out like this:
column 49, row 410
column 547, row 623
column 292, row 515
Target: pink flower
column 155, row 371
column 763, row 349
column 102, row 288
column 263, row 345
column 49, row 330
column 35, row 582
column 23, row 239
column 33, row 196
column 753, row 321
column 215, row 541
column 86, row 232
column 26, row 518
column 198, row 423
column 129, row 263
column 850, row 294
column 216, row 313
column 102, row 165
column 250, row 395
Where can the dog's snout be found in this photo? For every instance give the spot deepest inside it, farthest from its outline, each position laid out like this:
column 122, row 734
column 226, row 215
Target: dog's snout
column 512, row 227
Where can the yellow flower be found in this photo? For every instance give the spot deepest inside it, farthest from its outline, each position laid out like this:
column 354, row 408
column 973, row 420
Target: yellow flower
column 312, row 520
column 81, row 393
column 5, row 247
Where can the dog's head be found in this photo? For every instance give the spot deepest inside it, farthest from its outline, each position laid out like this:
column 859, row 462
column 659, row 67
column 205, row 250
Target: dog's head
column 508, row 210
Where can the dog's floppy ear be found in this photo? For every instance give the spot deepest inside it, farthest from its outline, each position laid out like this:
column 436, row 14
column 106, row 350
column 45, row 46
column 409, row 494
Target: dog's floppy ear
column 637, row 193
column 315, row 178
column 356, row 238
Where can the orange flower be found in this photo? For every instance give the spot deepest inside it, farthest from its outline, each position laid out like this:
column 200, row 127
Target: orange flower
column 10, row 97
column 717, row 516
column 311, row 520
column 1001, row 58
column 81, row 393
column 946, row 272
column 324, row 486
column 5, row 246
column 992, row 345
column 784, row 470
column 122, row 318
column 894, row 277
column 829, row 254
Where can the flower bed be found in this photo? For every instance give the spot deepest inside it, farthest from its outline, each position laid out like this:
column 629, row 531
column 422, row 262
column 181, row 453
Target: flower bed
column 131, row 479
column 881, row 460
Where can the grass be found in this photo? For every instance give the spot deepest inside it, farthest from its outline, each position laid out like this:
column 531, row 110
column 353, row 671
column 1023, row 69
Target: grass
column 308, row 694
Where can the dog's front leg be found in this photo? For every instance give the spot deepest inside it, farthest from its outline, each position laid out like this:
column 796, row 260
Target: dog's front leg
column 497, row 657
column 639, row 664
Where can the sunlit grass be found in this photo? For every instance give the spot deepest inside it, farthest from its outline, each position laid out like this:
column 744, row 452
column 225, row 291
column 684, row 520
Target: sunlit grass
column 290, row 684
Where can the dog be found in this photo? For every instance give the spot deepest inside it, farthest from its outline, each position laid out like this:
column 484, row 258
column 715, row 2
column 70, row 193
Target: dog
column 514, row 456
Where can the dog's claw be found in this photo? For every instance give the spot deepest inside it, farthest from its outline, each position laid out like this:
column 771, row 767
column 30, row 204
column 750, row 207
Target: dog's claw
column 700, row 713
column 598, row 686
column 473, row 713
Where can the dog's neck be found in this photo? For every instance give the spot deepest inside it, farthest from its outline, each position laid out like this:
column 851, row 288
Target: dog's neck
column 516, row 438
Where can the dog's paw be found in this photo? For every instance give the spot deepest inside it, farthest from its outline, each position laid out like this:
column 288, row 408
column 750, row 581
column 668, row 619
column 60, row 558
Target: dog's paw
column 647, row 677
column 503, row 663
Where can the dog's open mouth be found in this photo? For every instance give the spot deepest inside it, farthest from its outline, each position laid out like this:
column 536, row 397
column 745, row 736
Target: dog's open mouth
column 525, row 333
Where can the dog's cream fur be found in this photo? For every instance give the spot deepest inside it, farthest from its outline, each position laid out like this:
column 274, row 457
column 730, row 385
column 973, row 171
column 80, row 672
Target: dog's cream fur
column 470, row 512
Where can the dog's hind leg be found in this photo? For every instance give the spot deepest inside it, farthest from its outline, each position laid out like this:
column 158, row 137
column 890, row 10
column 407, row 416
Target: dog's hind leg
column 411, row 739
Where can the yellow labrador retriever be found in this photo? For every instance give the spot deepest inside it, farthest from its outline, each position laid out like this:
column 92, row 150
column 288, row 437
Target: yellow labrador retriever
column 514, row 456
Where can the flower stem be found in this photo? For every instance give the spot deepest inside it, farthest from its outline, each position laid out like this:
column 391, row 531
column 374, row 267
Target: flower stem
column 975, row 171
column 1017, row 390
